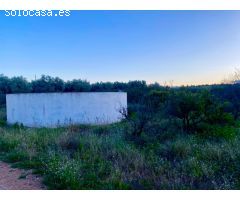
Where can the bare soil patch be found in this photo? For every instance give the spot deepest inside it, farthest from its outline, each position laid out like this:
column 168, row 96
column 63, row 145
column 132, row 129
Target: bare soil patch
column 18, row 179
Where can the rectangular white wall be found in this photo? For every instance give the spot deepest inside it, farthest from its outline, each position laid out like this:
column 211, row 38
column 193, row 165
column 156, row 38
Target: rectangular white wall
column 62, row 109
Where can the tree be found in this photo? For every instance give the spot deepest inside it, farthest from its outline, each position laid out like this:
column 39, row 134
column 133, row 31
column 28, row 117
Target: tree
column 102, row 87
column 48, row 84
column 19, row 85
column 199, row 107
column 231, row 94
column 136, row 91
column 4, row 84
column 77, row 85
column 186, row 106
column 4, row 88
column 233, row 78
column 155, row 100
column 59, row 85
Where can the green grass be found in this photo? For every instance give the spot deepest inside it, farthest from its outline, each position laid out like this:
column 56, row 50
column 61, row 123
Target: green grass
column 106, row 157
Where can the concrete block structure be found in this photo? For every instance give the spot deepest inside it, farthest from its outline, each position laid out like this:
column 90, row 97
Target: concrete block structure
column 63, row 109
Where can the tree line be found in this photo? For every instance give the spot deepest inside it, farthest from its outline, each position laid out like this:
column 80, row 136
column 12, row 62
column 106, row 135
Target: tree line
column 136, row 89
column 54, row 84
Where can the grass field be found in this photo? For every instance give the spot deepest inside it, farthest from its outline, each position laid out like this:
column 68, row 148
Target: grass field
column 106, row 157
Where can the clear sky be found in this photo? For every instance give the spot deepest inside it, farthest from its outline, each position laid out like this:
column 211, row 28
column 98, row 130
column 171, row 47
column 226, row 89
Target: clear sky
column 186, row 47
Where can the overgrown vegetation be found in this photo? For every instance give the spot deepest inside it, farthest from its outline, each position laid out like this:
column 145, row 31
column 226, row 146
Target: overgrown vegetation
column 171, row 138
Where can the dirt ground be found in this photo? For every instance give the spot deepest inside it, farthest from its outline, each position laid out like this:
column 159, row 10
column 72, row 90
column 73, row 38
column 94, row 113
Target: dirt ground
column 18, row 179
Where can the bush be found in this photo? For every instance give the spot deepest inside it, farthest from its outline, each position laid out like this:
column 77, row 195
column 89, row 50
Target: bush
column 218, row 131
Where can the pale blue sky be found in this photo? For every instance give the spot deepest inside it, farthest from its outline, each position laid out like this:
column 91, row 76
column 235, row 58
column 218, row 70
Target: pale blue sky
column 188, row 47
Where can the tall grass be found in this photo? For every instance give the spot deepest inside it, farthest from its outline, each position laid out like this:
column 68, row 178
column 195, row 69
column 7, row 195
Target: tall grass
column 107, row 157
column 3, row 116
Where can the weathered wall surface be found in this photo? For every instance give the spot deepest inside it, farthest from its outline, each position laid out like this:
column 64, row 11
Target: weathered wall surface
column 61, row 109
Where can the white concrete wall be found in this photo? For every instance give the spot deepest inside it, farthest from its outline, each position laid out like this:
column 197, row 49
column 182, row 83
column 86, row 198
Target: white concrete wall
column 61, row 109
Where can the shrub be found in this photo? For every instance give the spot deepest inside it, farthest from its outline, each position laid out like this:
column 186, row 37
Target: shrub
column 218, row 131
